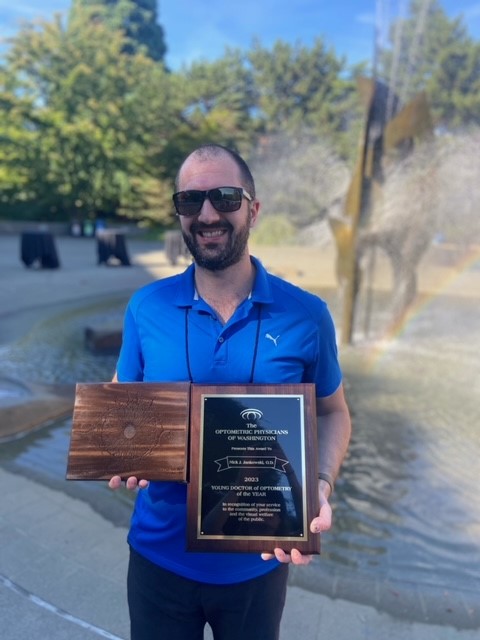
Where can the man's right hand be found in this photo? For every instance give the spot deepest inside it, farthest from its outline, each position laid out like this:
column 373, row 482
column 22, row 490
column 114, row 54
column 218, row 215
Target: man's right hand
column 131, row 483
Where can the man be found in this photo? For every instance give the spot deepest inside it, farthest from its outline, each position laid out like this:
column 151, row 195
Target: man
column 224, row 320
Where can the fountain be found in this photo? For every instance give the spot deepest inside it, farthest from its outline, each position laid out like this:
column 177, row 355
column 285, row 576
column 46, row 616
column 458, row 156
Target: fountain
column 405, row 520
column 403, row 510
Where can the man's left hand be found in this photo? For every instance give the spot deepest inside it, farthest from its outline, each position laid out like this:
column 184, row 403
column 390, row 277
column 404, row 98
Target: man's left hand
column 322, row 522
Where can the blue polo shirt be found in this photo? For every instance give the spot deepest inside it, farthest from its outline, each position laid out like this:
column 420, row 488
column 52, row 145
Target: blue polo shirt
column 279, row 334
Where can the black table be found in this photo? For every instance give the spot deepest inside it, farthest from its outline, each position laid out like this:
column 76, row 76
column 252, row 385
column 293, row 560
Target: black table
column 112, row 244
column 37, row 248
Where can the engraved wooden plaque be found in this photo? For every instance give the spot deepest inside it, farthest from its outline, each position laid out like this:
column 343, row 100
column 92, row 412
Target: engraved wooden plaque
column 253, row 468
column 130, row 429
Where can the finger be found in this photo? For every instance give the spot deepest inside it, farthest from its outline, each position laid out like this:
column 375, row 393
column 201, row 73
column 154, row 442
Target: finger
column 143, row 484
column 299, row 558
column 319, row 525
column 267, row 556
column 131, row 483
column 281, row 556
column 323, row 521
column 115, row 482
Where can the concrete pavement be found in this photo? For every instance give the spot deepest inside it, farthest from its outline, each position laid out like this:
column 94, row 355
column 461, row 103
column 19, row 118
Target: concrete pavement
column 63, row 573
column 63, row 564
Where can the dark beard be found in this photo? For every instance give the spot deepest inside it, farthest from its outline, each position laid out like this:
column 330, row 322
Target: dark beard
column 222, row 258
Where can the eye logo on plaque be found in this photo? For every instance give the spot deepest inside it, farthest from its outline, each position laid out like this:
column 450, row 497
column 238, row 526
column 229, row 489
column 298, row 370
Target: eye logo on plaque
column 251, row 414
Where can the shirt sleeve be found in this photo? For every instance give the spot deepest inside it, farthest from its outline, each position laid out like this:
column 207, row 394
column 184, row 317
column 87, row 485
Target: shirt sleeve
column 325, row 369
column 130, row 361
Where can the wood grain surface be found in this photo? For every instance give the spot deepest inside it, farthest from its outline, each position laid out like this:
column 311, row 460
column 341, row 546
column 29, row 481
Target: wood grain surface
column 130, row 429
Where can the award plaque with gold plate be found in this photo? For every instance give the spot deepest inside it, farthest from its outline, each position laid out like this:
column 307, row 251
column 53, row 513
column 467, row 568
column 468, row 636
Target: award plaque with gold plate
column 248, row 452
column 253, row 468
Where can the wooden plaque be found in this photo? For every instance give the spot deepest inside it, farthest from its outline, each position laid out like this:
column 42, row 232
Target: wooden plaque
column 130, row 429
column 253, row 468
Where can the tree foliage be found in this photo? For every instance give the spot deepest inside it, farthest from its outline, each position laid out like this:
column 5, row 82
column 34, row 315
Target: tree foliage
column 298, row 86
column 91, row 121
column 88, row 115
column 433, row 53
column 138, row 19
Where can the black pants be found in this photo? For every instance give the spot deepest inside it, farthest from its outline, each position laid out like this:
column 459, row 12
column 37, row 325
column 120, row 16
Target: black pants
column 164, row 606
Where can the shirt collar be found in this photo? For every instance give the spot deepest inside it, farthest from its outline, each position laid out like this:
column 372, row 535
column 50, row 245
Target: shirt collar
column 261, row 287
column 186, row 293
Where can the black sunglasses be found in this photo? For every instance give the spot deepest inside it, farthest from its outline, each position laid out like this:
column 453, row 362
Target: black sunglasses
column 223, row 199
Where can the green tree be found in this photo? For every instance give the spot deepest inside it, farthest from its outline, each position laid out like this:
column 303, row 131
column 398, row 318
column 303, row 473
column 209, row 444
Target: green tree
column 431, row 52
column 302, row 88
column 17, row 137
column 92, row 128
column 91, row 119
column 220, row 97
column 138, row 19
column 455, row 88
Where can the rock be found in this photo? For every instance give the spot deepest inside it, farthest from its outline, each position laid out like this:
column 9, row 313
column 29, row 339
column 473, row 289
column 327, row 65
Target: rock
column 103, row 340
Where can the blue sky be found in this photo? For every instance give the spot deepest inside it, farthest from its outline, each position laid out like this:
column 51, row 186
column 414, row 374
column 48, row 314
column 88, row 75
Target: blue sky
column 202, row 28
